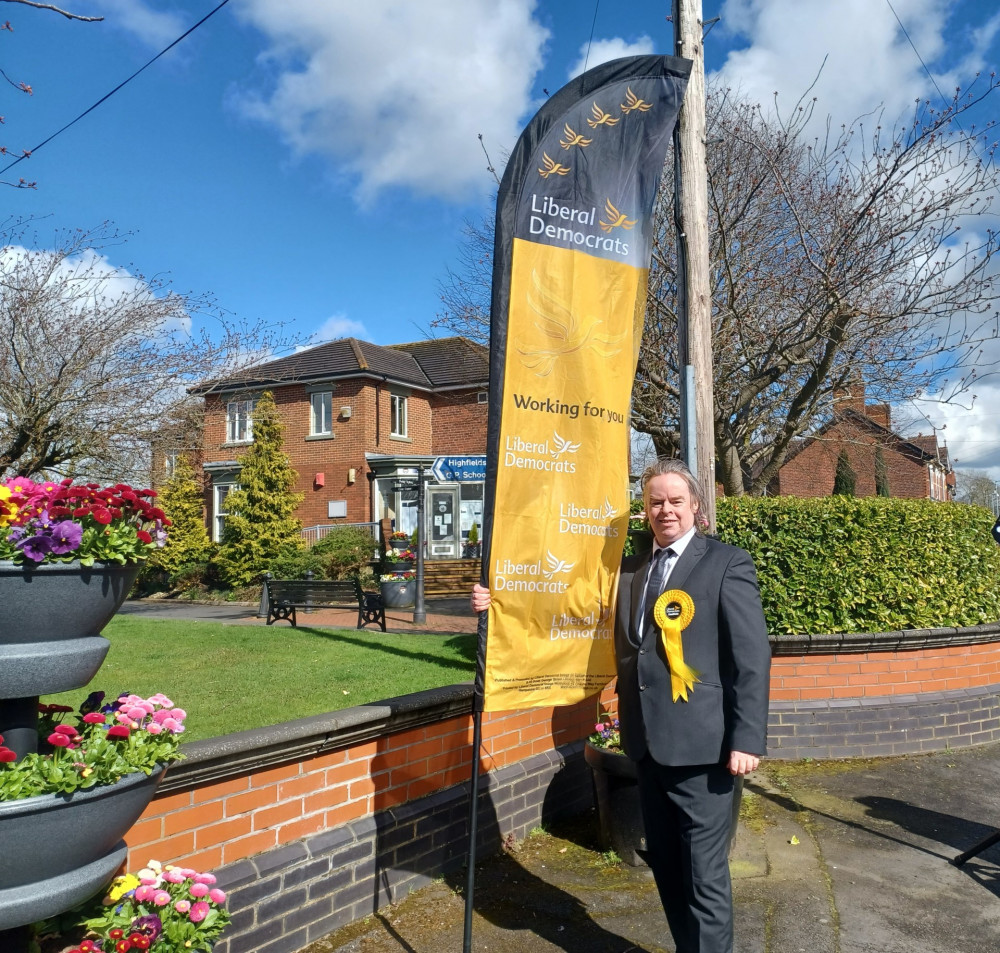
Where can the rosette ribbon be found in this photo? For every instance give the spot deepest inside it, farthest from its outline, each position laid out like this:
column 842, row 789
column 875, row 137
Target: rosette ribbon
column 673, row 612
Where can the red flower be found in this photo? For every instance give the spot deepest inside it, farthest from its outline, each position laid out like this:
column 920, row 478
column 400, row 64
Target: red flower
column 143, row 536
column 94, row 718
column 66, row 730
column 58, row 740
column 6, row 755
column 101, row 515
column 118, row 731
column 116, row 933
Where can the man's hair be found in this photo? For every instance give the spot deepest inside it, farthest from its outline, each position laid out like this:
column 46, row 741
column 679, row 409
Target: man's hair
column 664, row 465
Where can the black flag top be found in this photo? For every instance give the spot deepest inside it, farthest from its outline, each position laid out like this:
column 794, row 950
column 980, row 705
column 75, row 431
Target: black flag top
column 571, row 260
column 996, row 531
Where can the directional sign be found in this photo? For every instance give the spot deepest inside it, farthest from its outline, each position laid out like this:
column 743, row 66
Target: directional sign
column 468, row 469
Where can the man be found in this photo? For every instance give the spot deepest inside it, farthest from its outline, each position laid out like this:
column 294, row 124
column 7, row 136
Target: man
column 690, row 753
column 690, row 745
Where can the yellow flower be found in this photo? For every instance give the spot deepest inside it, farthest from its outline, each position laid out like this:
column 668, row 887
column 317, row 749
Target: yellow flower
column 122, row 885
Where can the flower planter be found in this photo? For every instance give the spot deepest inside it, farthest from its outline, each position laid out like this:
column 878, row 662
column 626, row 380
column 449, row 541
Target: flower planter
column 619, row 812
column 59, row 849
column 53, row 615
column 398, row 594
column 403, row 565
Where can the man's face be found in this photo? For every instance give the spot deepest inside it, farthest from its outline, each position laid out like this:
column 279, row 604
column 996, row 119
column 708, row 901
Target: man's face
column 669, row 507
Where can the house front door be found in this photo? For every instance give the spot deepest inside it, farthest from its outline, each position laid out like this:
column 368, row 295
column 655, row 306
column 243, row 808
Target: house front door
column 442, row 515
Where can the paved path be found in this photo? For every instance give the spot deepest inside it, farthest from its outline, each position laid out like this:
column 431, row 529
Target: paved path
column 443, row 615
column 847, row 857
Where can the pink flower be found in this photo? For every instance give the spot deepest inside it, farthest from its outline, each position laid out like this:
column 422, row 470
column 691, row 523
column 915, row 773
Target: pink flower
column 216, row 895
column 58, row 740
column 94, row 718
column 179, row 713
column 174, row 876
column 199, row 890
column 136, row 712
column 182, row 906
column 162, row 715
column 198, row 912
column 160, row 699
column 144, row 893
column 161, row 898
column 172, row 724
column 154, row 729
column 204, row 878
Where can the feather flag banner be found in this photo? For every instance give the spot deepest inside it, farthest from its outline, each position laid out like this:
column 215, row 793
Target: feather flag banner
column 571, row 261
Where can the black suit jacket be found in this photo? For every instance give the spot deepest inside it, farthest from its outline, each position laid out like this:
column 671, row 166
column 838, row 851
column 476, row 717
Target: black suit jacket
column 726, row 642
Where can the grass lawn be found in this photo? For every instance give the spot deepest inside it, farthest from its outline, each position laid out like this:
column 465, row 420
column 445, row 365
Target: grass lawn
column 232, row 677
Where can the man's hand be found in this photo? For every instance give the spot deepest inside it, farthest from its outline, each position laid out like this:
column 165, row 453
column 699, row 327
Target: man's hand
column 742, row 763
column 481, row 598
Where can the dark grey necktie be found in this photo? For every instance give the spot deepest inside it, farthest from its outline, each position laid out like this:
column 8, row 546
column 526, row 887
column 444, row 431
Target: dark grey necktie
column 654, row 586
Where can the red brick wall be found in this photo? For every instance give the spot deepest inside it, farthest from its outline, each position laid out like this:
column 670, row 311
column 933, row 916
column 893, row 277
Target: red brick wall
column 459, row 423
column 218, row 823
column 880, row 674
column 811, row 472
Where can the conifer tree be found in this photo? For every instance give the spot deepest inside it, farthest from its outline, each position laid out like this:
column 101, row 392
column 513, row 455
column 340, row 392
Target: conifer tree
column 845, row 480
column 187, row 540
column 881, row 474
column 261, row 526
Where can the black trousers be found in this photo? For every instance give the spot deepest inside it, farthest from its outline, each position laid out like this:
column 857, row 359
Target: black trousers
column 688, row 815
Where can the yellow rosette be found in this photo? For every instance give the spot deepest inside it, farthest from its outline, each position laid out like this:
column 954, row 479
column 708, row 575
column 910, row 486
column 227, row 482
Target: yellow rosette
column 673, row 612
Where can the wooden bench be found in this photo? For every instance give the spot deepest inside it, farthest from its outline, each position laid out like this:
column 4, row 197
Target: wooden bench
column 284, row 596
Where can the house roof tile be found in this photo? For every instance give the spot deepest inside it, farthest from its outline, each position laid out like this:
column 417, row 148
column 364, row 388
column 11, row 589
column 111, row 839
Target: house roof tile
column 444, row 362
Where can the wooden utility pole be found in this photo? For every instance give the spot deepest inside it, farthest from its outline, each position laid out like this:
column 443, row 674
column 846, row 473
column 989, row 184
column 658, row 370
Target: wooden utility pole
column 697, row 400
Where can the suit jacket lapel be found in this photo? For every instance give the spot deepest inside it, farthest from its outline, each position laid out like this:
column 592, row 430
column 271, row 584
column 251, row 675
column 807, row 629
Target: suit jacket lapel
column 687, row 561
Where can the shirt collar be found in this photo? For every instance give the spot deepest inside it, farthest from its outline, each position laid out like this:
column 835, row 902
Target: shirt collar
column 678, row 546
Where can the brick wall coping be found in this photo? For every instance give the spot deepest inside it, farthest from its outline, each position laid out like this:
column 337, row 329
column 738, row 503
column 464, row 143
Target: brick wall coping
column 906, row 640
column 244, row 752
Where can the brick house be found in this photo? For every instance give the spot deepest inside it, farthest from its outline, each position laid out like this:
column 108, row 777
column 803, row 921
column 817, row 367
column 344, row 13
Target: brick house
column 360, row 420
column 914, row 467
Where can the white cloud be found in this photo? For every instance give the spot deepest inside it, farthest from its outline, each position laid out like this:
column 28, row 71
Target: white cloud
column 154, row 27
column 338, row 326
column 604, row 51
column 396, row 94
column 969, row 427
column 868, row 60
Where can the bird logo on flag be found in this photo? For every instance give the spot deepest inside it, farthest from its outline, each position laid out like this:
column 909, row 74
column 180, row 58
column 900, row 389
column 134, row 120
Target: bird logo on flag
column 554, row 564
column 616, row 218
column 601, row 118
column 574, row 138
column 563, row 446
column 560, row 326
column 633, row 103
column 551, row 167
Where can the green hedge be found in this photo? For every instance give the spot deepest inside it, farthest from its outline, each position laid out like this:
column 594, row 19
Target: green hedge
column 840, row 564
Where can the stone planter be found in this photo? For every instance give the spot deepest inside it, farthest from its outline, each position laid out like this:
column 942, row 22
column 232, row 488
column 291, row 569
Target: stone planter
column 60, row 849
column 398, row 594
column 616, row 788
column 50, row 640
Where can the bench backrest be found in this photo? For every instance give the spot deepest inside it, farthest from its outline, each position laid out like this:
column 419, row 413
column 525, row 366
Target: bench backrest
column 314, row 590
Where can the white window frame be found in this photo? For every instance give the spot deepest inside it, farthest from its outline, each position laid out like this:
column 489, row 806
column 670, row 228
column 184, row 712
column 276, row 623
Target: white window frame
column 170, row 463
column 398, row 415
column 219, row 513
column 239, row 421
column 321, row 413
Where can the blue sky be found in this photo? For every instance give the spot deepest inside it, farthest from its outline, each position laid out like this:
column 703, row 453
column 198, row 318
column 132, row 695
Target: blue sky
column 313, row 162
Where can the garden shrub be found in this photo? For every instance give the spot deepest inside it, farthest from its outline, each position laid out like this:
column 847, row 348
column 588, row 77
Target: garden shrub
column 843, row 564
column 345, row 551
column 295, row 565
